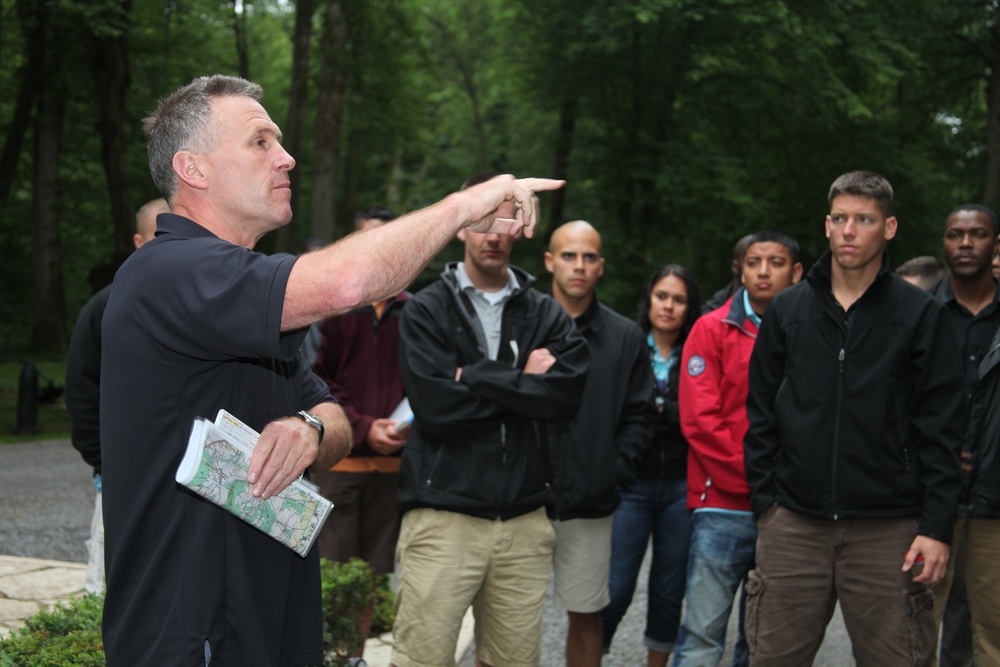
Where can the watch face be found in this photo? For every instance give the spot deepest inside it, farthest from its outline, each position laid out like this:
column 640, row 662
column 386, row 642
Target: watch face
column 310, row 418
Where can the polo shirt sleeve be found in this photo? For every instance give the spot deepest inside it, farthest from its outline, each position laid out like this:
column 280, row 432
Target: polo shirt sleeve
column 209, row 299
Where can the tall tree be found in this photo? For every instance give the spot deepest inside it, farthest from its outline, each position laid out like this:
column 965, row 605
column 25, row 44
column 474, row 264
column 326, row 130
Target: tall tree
column 331, row 91
column 33, row 17
column 106, row 44
column 240, row 34
column 49, row 332
column 991, row 176
column 298, row 96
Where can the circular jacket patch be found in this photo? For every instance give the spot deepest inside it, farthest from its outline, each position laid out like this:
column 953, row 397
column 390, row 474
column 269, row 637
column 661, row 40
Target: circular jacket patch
column 696, row 366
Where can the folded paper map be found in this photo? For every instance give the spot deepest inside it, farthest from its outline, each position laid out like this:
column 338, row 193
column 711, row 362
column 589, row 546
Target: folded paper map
column 216, row 465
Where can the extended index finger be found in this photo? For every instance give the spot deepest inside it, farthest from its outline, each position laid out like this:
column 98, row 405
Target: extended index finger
column 524, row 194
column 540, row 184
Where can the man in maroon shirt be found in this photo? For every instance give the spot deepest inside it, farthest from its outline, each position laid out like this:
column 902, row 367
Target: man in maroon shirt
column 359, row 360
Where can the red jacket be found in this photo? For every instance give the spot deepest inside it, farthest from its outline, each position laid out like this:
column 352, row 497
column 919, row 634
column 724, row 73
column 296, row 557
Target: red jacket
column 712, row 397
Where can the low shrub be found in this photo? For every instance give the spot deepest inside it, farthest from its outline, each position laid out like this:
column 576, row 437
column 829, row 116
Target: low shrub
column 385, row 606
column 347, row 588
column 70, row 634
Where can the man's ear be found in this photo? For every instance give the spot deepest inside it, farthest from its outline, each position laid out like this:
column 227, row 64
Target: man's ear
column 461, row 234
column 797, row 272
column 188, row 168
column 549, row 266
column 891, row 225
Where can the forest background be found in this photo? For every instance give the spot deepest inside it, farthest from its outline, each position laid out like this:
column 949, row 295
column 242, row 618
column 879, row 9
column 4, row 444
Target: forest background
column 680, row 125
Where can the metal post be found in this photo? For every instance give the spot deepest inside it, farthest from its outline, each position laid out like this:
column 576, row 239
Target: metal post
column 27, row 400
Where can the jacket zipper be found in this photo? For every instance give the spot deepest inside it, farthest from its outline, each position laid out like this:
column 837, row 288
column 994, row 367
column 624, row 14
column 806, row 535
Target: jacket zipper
column 902, row 436
column 503, row 443
column 836, row 430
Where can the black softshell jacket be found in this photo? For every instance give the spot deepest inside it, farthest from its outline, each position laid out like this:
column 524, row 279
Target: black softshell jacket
column 479, row 445
column 859, row 420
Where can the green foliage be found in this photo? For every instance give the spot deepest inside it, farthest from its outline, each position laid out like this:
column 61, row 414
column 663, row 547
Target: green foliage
column 385, row 606
column 347, row 588
column 694, row 122
column 81, row 614
column 69, row 634
column 52, row 418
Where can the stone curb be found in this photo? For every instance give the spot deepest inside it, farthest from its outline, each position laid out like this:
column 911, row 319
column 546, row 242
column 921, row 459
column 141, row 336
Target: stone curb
column 31, row 585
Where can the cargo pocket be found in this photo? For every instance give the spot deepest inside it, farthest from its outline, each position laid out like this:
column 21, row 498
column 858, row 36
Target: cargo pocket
column 754, row 590
column 920, row 603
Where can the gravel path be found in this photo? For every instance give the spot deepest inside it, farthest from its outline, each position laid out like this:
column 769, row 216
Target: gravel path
column 46, row 501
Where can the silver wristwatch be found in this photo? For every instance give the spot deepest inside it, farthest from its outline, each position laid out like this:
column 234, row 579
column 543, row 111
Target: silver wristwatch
column 313, row 421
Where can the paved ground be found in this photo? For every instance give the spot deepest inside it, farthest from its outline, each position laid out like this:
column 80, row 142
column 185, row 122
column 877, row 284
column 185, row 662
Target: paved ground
column 46, row 501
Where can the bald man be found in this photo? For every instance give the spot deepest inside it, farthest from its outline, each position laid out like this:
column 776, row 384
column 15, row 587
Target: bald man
column 83, row 375
column 608, row 436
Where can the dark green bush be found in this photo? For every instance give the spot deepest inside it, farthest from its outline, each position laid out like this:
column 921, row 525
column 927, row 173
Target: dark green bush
column 70, row 634
column 385, row 606
column 347, row 587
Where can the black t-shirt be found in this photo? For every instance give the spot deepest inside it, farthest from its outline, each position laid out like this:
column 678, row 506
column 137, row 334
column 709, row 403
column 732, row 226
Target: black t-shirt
column 194, row 325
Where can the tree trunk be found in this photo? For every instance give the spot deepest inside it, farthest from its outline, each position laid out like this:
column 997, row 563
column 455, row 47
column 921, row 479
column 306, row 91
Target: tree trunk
column 564, row 143
column 294, row 129
column 49, row 331
column 991, row 178
column 329, row 121
column 109, row 62
column 394, row 189
column 240, row 33
column 33, row 24
column 350, row 169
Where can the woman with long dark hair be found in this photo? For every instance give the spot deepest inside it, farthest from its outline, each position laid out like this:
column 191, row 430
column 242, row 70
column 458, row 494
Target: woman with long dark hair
column 655, row 504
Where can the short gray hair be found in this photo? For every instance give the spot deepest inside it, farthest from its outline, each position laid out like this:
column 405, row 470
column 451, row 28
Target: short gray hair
column 182, row 121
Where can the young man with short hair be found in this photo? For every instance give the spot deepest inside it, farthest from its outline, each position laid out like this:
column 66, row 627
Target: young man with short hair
column 607, row 438
column 972, row 299
column 487, row 361
column 925, row 271
column 713, row 392
column 852, row 450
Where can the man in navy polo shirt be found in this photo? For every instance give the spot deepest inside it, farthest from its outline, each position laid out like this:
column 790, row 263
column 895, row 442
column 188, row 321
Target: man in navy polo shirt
column 200, row 322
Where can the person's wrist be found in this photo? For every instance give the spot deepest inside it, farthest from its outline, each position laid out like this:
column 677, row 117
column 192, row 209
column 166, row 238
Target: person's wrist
column 313, row 421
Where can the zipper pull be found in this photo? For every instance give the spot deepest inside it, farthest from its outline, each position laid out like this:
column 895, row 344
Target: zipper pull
column 503, row 443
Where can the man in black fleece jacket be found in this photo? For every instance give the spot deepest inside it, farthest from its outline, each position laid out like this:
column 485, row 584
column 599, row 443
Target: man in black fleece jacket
column 852, row 453
column 608, row 437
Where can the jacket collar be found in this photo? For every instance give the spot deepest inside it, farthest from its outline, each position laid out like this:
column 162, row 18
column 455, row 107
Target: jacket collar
column 591, row 318
column 821, row 274
column 737, row 315
column 943, row 292
column 524, row 279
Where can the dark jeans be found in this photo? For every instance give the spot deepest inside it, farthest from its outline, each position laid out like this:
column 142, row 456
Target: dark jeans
column 657, row 509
